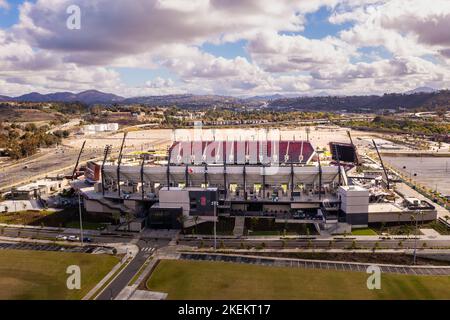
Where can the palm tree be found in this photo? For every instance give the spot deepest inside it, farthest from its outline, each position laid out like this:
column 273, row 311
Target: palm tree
column 116, row 217
column 182, row 219
column 195, row 223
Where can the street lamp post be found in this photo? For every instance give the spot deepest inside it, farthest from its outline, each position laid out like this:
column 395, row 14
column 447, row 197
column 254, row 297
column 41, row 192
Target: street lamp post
column 214, row 203
column 81, row 220
column 415, row 239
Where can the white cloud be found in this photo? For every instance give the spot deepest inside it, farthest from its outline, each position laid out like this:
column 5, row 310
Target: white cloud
column 4, row 4
column 282, row 53
column 41, row 54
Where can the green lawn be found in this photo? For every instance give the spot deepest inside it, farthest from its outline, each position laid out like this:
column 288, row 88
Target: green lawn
column 364, row 232
column 41, row 275
column 220, row 280
column 86, row 225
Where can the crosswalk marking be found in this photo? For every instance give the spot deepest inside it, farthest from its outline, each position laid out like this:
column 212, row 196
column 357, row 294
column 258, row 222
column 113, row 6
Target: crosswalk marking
column 148, row 249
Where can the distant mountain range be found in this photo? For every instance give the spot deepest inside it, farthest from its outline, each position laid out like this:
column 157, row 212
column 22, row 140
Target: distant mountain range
column 88, row 97
column 419, row 97
column 421, row 90
column 426, row 100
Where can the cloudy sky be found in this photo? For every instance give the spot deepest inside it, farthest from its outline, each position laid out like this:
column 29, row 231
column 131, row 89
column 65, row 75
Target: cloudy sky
column 231, row 47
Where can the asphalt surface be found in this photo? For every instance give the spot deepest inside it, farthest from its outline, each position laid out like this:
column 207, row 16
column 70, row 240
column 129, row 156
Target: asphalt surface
column 122, row 280
column 326, row 265
column 319, row 243
column 46, row 247
column 44, row 234
column 40, row 165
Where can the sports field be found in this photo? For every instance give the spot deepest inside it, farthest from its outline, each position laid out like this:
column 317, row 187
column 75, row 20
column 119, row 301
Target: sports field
column 42, row 275
column 220, row 280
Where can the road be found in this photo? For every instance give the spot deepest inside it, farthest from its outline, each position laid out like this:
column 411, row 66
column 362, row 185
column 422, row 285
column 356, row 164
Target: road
column 321, row 243
column 122, row 280
column 57, row 159
column 14, row 232
column 60, row 160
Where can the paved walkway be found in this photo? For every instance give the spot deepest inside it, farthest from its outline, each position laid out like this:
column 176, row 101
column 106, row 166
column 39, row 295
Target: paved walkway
column 239, row 224
column 409, row 192
column 430, row 233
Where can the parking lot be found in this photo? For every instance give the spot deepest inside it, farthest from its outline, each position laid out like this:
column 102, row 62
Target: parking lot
column 314, row 264
column 46, row 247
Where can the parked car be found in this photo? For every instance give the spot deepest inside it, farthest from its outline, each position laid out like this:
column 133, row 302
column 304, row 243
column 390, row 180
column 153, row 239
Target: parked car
column 61, row 237
column 86, row 239
column 73, row 238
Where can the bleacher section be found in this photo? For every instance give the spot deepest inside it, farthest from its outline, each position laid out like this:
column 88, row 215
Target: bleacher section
column 240, row 152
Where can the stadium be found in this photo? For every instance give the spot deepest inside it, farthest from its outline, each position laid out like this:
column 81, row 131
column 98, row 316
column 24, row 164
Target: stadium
column 285, row 180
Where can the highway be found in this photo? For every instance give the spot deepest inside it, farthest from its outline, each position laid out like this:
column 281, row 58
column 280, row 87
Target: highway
column 62, row 159
column 50, row 162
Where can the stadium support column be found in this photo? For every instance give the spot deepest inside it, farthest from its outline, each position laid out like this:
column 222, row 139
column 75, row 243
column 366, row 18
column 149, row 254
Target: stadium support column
column 78, row 160
column 339, row 165
column 142, row 178
column 168, row 171
column 382, row 164
column 206, row 175
column 119, row 162
column 292, row 181
column 264, row 180
column 186, row 176
column 106, row 153
column 245, row 180
column 225, row 186
column 320, row 178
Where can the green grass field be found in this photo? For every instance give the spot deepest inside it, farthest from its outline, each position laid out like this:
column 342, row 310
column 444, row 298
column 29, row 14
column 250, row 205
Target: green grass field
column 41, row 275
column 219, row 280
column 363, row 232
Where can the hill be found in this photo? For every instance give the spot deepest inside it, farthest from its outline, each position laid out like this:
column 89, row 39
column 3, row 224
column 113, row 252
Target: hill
column 416, row 100
column 190, row 101
column 365, row 103
column 88, row 97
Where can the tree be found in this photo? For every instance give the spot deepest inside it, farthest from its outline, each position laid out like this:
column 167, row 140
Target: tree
column 182, row 219
column 116, row 217
column 196, row 218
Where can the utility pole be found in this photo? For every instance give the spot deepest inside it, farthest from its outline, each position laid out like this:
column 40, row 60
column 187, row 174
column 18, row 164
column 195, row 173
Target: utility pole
column 81, row 220
column 214, row 203
column 415, row 239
